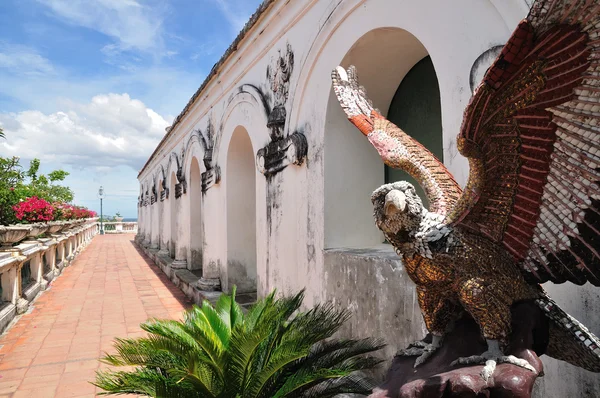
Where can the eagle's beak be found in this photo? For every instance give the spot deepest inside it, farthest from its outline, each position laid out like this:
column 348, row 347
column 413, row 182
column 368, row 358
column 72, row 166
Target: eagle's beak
column 395, row 201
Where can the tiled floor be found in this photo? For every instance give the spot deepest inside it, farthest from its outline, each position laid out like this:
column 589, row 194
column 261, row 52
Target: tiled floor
column 53, row 350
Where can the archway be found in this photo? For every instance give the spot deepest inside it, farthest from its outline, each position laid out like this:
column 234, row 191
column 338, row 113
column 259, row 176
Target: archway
column 241, row 213
column 162, row 245
column 173, row 215
column 416, row 109
column 195, row 222
column 353, row 168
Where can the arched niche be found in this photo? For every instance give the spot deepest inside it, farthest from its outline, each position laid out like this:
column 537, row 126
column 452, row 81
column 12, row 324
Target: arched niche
column 353, row 168
column 416, row 109
column 241, row 213
column 161, row 214
column 172, row 214
column 195, row 222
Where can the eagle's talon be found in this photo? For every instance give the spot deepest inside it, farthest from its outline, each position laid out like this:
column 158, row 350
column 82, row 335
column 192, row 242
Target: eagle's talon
column 419, row 344
column 490, row 359
column 421, row 349
column 427, row 353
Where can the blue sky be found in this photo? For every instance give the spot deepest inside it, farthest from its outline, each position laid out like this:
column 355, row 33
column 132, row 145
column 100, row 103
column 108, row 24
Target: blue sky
column 89, row 85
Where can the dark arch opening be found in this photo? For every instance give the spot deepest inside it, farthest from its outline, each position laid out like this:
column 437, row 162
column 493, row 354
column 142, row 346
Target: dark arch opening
column 416, row 109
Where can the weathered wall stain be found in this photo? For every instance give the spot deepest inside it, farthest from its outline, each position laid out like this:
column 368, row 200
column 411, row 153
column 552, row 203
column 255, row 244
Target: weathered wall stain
column 481, row 65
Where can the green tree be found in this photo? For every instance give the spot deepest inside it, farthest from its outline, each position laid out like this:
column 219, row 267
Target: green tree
column 221, row 352
column 11, row 179
column 46, row 187
column 16, row 185
column 1, row 133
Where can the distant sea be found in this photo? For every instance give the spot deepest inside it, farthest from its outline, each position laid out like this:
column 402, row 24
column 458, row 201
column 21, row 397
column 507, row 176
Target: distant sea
column 129, row 219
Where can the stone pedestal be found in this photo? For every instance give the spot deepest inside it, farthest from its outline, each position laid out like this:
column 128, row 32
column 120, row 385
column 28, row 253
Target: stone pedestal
column 436, row 378
column 209, row 284
column 22, row 306
column 179, row 264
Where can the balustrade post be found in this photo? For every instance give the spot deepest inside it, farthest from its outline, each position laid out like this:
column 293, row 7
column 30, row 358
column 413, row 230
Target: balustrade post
column 22, row 303
column 10, row 289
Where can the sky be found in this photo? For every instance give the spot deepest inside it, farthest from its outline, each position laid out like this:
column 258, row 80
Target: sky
column 88, row 86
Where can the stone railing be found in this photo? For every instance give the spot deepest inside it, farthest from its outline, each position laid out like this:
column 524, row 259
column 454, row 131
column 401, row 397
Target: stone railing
column 118, row 227
column 32, row 255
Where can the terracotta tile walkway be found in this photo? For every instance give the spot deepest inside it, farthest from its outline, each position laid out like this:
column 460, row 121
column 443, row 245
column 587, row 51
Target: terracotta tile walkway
column 111, row 288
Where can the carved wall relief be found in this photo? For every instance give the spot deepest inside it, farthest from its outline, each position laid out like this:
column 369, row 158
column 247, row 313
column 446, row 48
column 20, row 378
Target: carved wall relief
column 164, row 194
column 281, row 151
column 212, row 175
column 181, row 186
column 154, row 196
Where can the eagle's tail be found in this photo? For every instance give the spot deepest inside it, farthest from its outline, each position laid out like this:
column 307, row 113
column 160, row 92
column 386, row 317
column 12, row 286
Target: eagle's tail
column 569, row 340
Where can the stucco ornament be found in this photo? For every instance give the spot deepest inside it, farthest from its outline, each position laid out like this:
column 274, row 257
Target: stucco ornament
column 154, row 196
column 164, row 193
column 279, row 74
column 530, row 212
column 181, row 186
column 281, row 151
column 212, row 175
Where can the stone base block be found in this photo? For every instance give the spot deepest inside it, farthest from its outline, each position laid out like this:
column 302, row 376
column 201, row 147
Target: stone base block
column 32, row 291
column 49, row 276
column 183, row 278
column 209, row 284
column 7, row 314
column 22, row 306
column 179, row 264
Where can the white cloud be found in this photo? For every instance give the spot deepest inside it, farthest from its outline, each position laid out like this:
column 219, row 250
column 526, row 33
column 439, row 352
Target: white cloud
column 236, row 12
column 23, row 60
column 132, row 24
column 110, row 131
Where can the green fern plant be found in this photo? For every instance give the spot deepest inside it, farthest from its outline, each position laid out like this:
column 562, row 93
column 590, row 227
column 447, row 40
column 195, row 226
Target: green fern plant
column 272, row 351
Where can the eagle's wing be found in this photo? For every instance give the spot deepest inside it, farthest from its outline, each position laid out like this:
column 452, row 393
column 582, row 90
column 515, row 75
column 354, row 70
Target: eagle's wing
column 397, row 149
column 532, row 135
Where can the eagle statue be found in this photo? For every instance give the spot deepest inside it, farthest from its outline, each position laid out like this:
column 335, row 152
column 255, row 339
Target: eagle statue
column 530, row 211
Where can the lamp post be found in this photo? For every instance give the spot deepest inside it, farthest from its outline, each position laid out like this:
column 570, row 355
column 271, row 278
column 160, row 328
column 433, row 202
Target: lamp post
column 101, row 196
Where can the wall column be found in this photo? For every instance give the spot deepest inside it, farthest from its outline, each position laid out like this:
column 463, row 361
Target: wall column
column 180, row 261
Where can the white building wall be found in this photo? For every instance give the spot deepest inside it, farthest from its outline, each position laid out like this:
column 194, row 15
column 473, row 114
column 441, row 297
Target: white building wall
column 314, row 227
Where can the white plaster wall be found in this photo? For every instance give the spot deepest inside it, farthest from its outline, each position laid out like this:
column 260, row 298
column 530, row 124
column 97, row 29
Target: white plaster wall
column 241, row 111
column 297, row 215
column 172, row 214
column 193, row 226
column 240, row 180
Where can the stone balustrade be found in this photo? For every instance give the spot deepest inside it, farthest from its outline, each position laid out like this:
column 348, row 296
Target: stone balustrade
column 32, row 255
column 119, row 227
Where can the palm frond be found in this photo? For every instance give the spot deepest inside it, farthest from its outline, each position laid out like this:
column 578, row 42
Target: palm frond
column 140, row 381
column 176, row 337
column 274, row 350
column 141, row 352
column 354, row 383
column 229, row 310
column 327, row 354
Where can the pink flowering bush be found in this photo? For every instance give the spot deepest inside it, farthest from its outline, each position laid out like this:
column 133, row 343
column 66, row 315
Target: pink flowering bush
column 34, row 210
column 80, row 212
column 63, row 211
